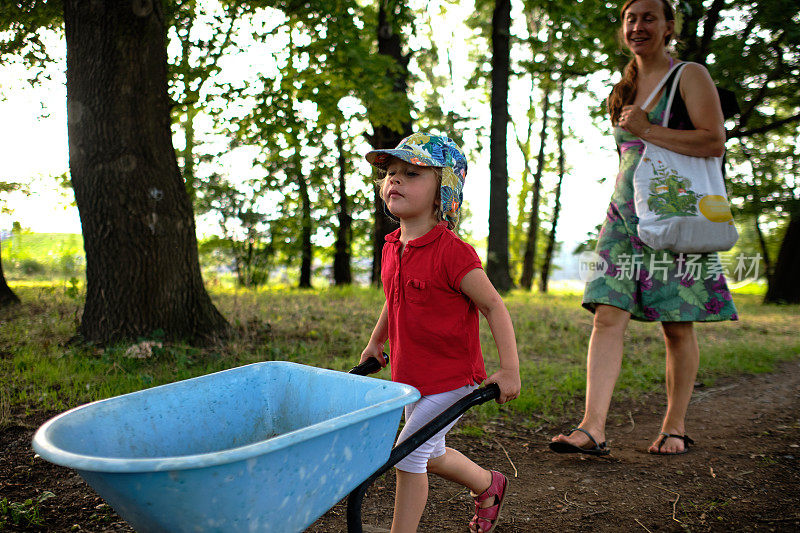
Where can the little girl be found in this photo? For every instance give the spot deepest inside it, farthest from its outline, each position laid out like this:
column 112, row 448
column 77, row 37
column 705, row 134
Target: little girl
column 434, row 287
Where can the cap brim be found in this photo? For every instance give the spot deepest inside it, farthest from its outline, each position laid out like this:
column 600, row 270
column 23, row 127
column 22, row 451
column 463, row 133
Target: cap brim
column 380, row 158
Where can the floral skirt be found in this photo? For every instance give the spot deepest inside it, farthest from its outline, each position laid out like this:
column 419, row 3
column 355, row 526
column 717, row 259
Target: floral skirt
column 653, row 285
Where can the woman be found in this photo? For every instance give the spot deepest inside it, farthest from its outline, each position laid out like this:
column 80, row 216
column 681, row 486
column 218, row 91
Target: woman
column 642, row 283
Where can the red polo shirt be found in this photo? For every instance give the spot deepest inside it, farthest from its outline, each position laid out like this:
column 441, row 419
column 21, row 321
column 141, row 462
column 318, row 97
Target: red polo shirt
column 433, row 326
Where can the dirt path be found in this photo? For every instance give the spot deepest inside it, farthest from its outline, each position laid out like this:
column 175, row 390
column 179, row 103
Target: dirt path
column 743, row 474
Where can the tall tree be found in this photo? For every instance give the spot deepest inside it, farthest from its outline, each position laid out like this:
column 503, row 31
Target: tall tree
column 755, row 56
column 783, row 285
column 529, row 257
column 342, row 274
column 389, row 129
column 551, row 239
column 497, row 267
column 7, row 296
column 142, row 267
column 203, row 34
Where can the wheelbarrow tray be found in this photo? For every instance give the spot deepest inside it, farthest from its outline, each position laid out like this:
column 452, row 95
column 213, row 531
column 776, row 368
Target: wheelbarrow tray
column 264, row 447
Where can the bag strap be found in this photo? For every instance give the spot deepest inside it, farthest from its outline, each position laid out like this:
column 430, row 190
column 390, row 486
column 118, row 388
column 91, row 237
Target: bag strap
column 660, row 84
column 672, row 90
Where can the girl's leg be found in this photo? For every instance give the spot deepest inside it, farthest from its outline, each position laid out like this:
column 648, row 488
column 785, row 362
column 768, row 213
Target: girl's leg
column 455, row 466
column 410, row 497
column 412, row 479
column 683, row 359
column 603, row 366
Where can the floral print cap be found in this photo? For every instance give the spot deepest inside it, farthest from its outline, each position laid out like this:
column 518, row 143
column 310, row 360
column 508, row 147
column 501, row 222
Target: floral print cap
column 428, row 150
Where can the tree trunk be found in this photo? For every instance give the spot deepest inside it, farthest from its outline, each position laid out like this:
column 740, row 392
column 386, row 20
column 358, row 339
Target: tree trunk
column 758, row 209
column 529, row 258
column 142, row 269
column 7, row 296
column 689, row 12
column 341, row 259
column 187, row 154
column 692, row 45
column 516, row 238
column 306, row 252
column 497, row 241
column 762, row 243
column 551, row 241
column 783, row 285
column 389, row 44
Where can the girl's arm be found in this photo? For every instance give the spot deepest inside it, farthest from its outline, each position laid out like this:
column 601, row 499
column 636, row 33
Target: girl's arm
column 481, row 291
column 702, row 102
column 378, row 339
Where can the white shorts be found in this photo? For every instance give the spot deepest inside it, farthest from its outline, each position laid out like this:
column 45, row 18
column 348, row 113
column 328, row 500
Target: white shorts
column 420, row 413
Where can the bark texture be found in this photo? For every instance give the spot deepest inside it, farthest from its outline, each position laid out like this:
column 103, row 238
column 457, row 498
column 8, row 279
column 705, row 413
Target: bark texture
column 390, row 44
column 306, row 249
column 497, row 243
column 784, row 286
column 342, row 274
column 529, row 257
column 551, row 239
column 142, row 269
column 7, row 296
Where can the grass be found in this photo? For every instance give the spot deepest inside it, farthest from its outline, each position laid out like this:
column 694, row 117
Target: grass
column 41, row 371
column 25, row 513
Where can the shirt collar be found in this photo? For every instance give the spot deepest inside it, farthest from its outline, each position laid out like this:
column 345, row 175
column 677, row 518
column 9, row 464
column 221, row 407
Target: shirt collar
column 428, row 238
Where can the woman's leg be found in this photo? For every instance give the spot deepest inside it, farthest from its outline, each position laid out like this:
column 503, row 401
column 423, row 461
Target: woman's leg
column 683, row 359
column 603, row 366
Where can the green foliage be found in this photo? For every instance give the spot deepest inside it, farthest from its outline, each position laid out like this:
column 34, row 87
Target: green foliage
column 22, row 27
column 327, row 84
column 292, row 114
column 246, row 243
column 23, row 514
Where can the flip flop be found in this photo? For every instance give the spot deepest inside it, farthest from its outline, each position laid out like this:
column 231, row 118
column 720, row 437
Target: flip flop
column 664, row 436
column 565, row 447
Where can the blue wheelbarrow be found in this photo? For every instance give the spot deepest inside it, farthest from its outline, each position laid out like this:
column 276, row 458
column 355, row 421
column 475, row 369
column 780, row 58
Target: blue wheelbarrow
column 264, row 447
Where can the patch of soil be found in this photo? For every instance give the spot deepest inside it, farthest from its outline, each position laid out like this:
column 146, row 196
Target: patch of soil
column 743, row 474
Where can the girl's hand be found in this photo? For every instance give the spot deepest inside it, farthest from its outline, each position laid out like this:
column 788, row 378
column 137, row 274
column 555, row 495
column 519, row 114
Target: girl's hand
column 634, row 119
column 373, row 350
column 509, row 383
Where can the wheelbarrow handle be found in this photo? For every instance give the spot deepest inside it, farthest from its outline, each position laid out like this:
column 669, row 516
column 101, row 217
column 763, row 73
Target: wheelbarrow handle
column 477, row 397
column 370, row 366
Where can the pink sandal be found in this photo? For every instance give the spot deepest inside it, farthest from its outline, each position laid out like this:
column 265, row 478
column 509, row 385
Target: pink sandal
column 486, row 518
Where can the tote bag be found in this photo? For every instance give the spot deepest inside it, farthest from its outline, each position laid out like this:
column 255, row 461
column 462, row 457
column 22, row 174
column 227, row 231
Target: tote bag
column 681, row 200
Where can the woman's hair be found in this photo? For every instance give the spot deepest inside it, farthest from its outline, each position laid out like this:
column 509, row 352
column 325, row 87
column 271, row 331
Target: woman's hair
column 624, row 92
column 451, row 224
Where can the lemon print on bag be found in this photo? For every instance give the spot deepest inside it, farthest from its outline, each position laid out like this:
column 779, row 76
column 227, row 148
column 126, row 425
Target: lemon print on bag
column 715, row 208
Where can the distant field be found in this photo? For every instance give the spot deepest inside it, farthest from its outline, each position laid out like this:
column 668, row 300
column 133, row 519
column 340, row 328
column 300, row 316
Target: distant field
column 43, row 255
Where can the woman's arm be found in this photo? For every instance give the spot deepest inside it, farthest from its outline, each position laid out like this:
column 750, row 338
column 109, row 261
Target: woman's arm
column 702, row 102
column 480, row 290
column 378, row 338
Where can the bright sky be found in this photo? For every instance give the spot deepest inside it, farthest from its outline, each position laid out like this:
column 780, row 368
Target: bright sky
column 33, row 148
